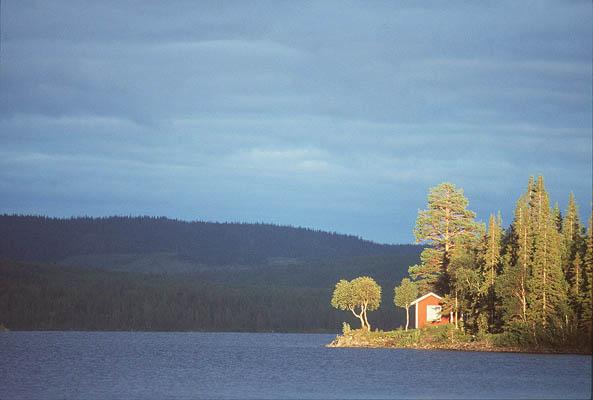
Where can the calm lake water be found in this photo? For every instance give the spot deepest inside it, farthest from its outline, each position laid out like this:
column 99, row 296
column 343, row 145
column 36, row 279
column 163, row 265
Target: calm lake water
column 118, row 365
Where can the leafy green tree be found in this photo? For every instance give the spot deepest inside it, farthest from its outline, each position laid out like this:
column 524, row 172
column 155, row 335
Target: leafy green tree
column 438, row 226
column 362, row 293
column 405, row 294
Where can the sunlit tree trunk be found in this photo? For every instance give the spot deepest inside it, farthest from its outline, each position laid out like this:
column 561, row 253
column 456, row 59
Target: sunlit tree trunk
column 368, row 326
column 456, row 312
column 359, row 316
column 407, row 317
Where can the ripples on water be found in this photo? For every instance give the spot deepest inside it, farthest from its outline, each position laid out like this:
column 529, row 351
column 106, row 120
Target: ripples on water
column 116, row 365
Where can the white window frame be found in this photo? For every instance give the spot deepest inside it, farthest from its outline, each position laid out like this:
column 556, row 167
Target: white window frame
column 434, row 312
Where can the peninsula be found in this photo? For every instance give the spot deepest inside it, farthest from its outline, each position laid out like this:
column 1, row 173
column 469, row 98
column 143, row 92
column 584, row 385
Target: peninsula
column 528, row 288
column 443, row 337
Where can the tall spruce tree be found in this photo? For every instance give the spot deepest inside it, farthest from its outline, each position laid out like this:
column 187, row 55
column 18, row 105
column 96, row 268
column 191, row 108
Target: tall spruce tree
column 489, row 260
column 547, row 285
column 512, row 284
column 557, row 217
column 573, row 246
column 571, row 230
column 445, row 219
column 586, row 320
column 465, row 282
column 575, row 285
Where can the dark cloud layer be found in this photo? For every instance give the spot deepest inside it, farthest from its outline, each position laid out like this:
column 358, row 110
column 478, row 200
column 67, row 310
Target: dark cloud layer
column 337, row 116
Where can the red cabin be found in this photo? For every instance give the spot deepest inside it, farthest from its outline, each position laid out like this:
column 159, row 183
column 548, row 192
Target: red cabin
column 428, row 311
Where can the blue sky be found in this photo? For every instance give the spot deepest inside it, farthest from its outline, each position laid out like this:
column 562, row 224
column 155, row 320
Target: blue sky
column 336, row 116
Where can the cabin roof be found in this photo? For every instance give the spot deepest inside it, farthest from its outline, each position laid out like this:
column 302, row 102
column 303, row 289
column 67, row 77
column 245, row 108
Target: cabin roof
column 425, row 296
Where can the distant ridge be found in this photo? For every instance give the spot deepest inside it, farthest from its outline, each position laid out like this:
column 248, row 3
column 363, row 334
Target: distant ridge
column 159, row 274
column 44, row 239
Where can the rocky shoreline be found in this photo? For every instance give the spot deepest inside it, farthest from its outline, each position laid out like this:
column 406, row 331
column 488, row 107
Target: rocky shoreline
column 359, row 339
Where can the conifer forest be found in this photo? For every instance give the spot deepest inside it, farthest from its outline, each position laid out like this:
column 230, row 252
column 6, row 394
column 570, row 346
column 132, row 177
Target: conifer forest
column 531, row 282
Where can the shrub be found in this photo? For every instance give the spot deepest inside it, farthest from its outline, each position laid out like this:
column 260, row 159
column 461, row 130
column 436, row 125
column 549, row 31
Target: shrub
column 346, row 328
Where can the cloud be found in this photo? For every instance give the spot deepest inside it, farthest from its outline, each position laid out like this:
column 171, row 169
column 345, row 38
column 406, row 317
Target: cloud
column 337, row 116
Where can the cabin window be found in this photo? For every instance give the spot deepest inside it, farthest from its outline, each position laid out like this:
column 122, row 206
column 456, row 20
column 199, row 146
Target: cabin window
column 433, row 313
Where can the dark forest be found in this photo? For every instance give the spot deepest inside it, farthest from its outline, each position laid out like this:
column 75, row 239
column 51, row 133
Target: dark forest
column 144, row 273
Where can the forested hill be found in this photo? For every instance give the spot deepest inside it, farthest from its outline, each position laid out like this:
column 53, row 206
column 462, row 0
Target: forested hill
column 145, row 273
column 35, row 238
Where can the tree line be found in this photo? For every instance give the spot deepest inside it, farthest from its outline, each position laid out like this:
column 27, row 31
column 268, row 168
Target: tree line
column 35, row 296
column 43, row 239
column 52, row 297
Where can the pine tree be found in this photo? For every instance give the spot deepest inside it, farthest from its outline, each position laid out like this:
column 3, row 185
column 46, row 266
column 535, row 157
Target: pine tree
column 428, row 273
column 547, row 285
column 445, row 219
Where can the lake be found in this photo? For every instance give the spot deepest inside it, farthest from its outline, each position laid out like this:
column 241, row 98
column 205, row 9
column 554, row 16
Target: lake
column 118, row 365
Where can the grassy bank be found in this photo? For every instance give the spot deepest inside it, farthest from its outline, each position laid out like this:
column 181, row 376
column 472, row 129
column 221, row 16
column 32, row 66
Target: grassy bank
column 443, row 337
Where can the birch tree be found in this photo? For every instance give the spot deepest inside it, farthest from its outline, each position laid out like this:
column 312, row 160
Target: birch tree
column 358, row 296
column 405, row 294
